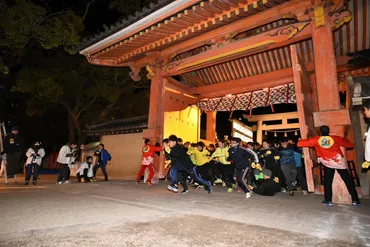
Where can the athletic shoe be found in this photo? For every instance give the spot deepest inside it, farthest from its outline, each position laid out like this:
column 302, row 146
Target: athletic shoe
column 294, row 183
column 327, row 203
column 184, row 192
column 59, row 182
column 291, row 193
column 305, row 192
column 356, row 203
column 137, row 182
column 229, row 190
column 68, row 182
column 199, row 187
column 218, row 181
column 149, row 183
column 34, row 182
column 248, row 195
column 173, row 188
column 223, row 184
column 239, row 190
column 26, row 183
column 283, row 190
column 196, row 184
column 15, row 181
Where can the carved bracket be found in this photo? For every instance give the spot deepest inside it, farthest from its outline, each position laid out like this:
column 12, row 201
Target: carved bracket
column 338, row 19
column 135, row 73
column 151, row 72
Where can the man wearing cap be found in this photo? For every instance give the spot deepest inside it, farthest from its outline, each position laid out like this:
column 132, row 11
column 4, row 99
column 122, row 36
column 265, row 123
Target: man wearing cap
column 13, row 149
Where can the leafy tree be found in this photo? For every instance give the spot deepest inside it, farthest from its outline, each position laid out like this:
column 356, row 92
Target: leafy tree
column 24, row 24
column 89, row 94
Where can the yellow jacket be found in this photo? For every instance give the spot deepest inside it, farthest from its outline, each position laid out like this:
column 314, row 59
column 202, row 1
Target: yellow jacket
column 202, row 157
column 221, row 154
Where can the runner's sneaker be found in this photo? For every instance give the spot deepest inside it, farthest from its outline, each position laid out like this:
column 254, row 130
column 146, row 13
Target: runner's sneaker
column 356, row 203
column 59, row 182
column 149, row 183
column 34, row 182
column 229, row 190
column 199, row 187
column 218, row 181
column 327, row 203
column 291, row 193
column 283, row 190
column 173, row 188
column 184, row 192
column 223, row 184
column 305, row 192
column 26, row 183
column 68, row 182
column 248, row 195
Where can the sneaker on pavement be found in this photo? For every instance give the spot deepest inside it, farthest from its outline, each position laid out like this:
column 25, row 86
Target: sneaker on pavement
column 291, row 193
column 149, row 183
column 229, row 190
column 172, row 188
column 25, row 182
column 209, row 188
column 218, row 181
column 223, row 184
column 356, row 203
column 327, row 203
column 59, row 182
column 248, row 195
column 283, row 190
column 184, row 192
column 199, row 187
column 68, row 182
column 305, row 192
column 34, row 182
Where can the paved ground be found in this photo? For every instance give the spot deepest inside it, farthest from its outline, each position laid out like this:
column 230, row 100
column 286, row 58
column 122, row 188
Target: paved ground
column 125, row 214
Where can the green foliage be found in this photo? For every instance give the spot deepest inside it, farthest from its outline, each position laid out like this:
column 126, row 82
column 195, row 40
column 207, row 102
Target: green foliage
column 25, row 23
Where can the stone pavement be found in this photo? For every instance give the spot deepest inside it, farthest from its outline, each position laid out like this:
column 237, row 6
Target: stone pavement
column 121, row 213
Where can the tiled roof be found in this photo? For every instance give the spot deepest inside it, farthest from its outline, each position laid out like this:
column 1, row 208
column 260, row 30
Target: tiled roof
column 119, row 126
column 122, row 23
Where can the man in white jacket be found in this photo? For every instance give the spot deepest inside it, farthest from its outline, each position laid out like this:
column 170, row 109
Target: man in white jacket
column 65, row 158
column 85, row 171
column 34, row 160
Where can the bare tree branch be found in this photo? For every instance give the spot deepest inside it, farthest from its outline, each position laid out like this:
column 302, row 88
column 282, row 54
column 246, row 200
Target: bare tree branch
column 87, row 9
column 86, row 106
column 47, row 6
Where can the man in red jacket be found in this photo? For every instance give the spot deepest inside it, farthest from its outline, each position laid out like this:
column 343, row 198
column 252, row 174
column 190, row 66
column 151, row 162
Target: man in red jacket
column 147, row 160
column 330, row 155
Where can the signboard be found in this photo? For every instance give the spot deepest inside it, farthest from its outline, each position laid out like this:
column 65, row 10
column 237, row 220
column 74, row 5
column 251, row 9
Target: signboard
column 241, row 131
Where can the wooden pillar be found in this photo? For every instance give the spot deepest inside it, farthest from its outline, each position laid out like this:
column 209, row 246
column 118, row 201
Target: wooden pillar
column 156, row 119
column 327, row 83
column 211, row 126
column 259, row 132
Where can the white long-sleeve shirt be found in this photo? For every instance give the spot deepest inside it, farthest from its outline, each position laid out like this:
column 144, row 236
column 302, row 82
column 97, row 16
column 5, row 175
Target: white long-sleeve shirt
column 32, row 159
column 367, row 146
column 62, row 156
column 85, row 165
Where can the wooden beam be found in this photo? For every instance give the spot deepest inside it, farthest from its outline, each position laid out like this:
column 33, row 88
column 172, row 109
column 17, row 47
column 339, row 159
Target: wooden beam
column 277, row 37
column 253, row 83
column 280, row 126
column 332, row 118
column 271, row 117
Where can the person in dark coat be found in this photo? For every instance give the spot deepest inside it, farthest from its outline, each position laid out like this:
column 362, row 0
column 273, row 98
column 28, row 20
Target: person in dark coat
column 287, row 163
column 268, row 186
column 14, row 150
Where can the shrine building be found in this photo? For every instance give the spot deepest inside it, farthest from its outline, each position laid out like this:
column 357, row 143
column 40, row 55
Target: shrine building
column 228, row 55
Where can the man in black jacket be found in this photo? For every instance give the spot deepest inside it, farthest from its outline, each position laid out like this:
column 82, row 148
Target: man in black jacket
column 267, row 186
column 14, row 149
column 242, row 158
column 178, row 152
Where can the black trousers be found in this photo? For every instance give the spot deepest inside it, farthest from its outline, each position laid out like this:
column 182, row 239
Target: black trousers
column 228, row 174
column 216, row 169
column 64, row 173
column 241, row 179
column 204, row 171
column 103, row 170
column 302, row 178
column 35, row 168
column 328, row 181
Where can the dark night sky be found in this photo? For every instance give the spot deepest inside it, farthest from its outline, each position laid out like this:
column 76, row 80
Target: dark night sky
column 52, row 127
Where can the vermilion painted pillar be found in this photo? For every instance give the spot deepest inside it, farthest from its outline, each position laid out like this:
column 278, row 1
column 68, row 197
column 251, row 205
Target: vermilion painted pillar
column 156, row 119
column 327, row 84
column 211, row 126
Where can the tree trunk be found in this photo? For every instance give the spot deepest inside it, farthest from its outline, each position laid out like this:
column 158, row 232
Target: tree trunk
column 72, row 130
column 76, row 125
